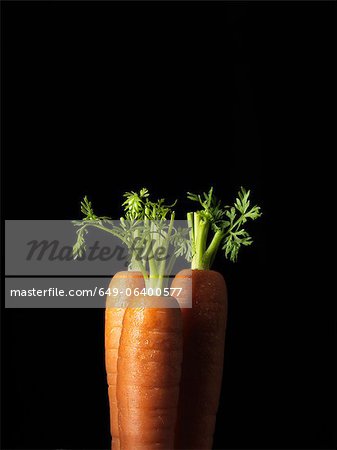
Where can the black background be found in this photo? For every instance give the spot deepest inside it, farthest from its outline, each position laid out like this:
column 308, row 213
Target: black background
column 99, row 98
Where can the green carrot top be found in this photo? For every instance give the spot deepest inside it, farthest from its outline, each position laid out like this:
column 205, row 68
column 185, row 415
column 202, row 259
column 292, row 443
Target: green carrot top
column 147, row 229
column 225, row 224
column 154, row 242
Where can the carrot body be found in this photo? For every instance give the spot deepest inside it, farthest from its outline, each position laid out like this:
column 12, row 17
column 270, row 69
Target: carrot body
column 113, row 328
column 204, row 328
column 149, row 369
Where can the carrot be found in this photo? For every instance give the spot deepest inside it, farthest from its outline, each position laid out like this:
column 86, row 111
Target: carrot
column 144, row 406
column 150, row 352
column 204, row 324
column 149, row 367
column 204, row 327
column 113, row 328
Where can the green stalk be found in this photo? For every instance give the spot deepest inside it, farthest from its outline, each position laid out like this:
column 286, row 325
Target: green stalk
column 163, row 264
column 170, row 266
column 196, row 220
column 138, row 266
column 153, row 271
column 190, row 225
column 201, row 228
column 212, row 249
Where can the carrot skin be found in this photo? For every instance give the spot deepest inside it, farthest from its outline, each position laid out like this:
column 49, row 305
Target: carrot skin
column 113, row 328
column 204, row 327
column 149, row 369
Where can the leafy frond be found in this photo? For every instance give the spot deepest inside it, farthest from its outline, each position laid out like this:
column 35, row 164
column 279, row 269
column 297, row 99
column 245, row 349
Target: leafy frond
column 226, row 222
column 181, row 243
column 80, row 246
column 89, row 219
column 238, row 215
column 212, row 210
column 134, row 204
column 87, row 210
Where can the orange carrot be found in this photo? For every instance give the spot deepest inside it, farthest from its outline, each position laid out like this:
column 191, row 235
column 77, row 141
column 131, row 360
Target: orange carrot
column 113, row 328
column 149, row 368
column 214, row 226
column 204, row 336
column 148, row 342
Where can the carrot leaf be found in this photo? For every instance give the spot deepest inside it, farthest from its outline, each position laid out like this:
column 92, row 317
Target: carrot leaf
column 226, row 224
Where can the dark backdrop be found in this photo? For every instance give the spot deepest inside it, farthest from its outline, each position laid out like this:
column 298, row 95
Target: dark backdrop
column 99, row 98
